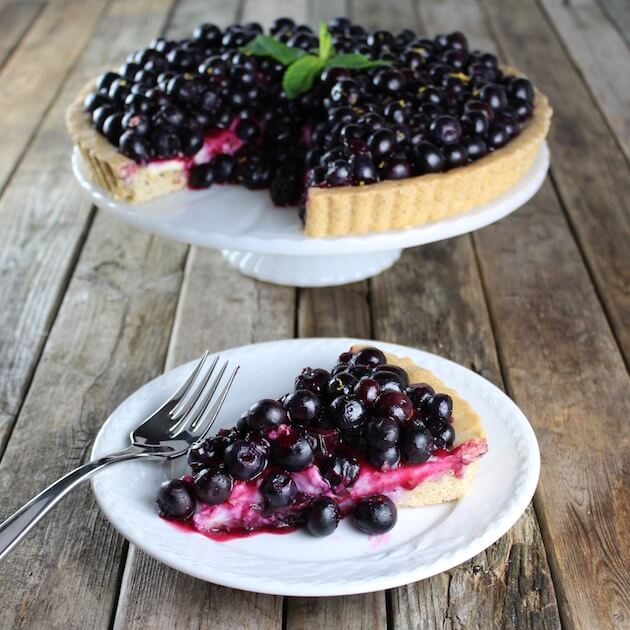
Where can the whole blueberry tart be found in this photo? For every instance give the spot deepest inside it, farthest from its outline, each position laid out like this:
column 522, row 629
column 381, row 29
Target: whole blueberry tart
column 364, row 131
column 373, row 433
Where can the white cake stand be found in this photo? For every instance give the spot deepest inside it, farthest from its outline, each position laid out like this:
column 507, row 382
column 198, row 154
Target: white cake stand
column 267, row 243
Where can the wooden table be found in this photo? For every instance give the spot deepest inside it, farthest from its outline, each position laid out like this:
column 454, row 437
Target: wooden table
column 538, row 303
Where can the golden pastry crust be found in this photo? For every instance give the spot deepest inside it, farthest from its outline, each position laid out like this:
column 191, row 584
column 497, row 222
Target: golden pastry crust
column 392, row 205
column 121, row 177
column 339, row 211
column 468, row 426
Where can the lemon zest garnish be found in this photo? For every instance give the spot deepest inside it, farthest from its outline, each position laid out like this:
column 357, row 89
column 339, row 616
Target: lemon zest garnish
column 422, row 88
column 460, row 75
column 420, row 49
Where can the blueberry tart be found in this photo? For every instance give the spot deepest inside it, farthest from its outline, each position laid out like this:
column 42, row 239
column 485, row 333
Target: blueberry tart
column 375, row 433
column 363, row 131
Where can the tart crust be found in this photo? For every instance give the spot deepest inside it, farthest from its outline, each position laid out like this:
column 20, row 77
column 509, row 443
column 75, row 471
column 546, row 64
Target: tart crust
column 468, row 426
column 339, row 211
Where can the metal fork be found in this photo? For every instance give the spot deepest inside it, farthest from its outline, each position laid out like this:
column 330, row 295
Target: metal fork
column 183, row 419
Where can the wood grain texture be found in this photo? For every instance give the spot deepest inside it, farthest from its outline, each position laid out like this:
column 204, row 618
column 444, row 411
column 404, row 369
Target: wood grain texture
column 110, row 337
column 618, row 11
column 602, row 57
column 218, row 308
column 44, row 214
column 335, row 312
column 326, row 11
column 434, row 299
column 556, row 350
column 32, row 75
column 595, row 190
column 394, row 16
column 266, row 12
column 15, row 19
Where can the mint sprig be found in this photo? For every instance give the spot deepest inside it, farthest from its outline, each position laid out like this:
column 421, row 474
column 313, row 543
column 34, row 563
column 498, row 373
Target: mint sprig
column 304, row 68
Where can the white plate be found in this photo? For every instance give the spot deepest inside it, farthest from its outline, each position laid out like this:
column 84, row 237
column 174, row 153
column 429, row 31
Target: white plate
column 424, row 542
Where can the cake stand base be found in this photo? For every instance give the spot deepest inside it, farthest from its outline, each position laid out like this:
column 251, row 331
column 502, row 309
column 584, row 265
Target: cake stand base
column 311, row 271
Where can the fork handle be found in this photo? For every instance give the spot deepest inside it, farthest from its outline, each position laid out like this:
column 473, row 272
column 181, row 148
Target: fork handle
column 17, row 525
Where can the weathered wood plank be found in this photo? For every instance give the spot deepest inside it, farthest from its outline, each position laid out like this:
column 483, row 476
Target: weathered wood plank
column 111, row 336
column 602, row 57
column 218, row 308
column 433, row 298
column 336, row 312
column 619, row 13
column 44, row 214
column 266, row 12
column 373, row 14
column 589, row 169
column 325, row 11
column 15, row 19
column 556, row 350
column 32, row 75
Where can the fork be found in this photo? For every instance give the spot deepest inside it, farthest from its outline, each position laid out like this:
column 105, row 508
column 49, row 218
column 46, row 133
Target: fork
column 186, row 417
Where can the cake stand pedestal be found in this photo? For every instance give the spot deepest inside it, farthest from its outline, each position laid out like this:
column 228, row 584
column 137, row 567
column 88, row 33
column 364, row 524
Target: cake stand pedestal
column 267, row 243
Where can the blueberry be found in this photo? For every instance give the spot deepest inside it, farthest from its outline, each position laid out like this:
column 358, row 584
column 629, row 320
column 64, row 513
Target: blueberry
column 396, row 167
column 266, row 413
column 175, row 500
column 396, row 369
column 223, row 167
column 445, row 130
column 396, row 405
column 367, row 390
column 456, row 155
column 476, row 147
column 428, row 158
column 381, row 143
column 243, row 460
column 348, row 412
column 201, row 176
column 247, row 130
column 165, row 142
column 100, row 115
column 136, row 122
column 383, row 459
column 315, row 380
column 112, row 128
column 278, row 490
column 521, row 88
column 443, row 435
column 207, row 454
column 371, row 357
column 323, row 516
column 494, row 95
column 340, row 384
column 375, row 514
column 421, row 395
column 134, row 146
column 382, row 432
column 105, row 80
column 292, row 451
column 416, row 444
column 302, row 406
column 191, row 141
column 441, row 407
column 389, row 381
column 212, row 486
column 339, row 470
column 94, row 100
column 363, row 169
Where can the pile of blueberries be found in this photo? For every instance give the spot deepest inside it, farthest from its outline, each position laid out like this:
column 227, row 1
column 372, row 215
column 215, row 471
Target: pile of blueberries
column 436, row 106
column 363, row 413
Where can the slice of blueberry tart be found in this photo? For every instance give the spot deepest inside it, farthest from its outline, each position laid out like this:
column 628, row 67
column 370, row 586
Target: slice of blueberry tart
column 374, row 433
column 365, row 131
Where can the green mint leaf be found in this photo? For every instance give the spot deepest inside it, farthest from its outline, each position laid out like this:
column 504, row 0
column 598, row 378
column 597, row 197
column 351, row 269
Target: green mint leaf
column 326, row 48
column 354, row 61
column 300, row 76
column 265, row 46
